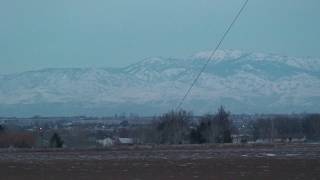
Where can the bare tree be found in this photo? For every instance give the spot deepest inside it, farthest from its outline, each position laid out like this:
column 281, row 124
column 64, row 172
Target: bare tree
column 311, row 127
column 173, row 127
column 56, row 141
column 214, row 128
column 2, row 129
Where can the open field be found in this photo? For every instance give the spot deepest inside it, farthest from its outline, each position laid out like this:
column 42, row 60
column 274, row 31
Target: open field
column 164, row 162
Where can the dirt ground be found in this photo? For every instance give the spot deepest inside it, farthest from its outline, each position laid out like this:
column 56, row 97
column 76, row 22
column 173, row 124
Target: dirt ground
column 165, row 162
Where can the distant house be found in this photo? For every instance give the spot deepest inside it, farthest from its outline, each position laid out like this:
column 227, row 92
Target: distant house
column 124, row 141
column 107, row 142
column 298, row 140
column 291, row 140
column 238, row 139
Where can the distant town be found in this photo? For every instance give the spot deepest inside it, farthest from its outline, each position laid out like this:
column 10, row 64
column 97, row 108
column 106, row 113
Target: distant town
column 176, row 127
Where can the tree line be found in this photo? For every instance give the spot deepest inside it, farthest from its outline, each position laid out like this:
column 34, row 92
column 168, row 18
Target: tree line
column 286, row 128
column 21, row 139
column 178, row 127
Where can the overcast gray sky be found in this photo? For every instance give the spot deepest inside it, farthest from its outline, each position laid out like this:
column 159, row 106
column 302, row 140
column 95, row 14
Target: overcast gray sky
column 36, row 34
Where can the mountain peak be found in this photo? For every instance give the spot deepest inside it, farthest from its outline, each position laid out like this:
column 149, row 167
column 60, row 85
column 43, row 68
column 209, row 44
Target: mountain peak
column 219, row 54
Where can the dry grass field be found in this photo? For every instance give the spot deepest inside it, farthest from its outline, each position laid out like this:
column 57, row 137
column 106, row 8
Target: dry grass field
column 212, row 162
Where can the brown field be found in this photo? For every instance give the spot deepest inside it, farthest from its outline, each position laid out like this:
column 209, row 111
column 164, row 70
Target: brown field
column 212, row 162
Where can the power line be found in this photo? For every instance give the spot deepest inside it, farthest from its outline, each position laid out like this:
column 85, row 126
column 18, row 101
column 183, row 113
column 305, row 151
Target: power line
column 212, row 54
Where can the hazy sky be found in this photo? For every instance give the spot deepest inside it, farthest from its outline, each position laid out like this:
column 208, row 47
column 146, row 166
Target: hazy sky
column 37, row 34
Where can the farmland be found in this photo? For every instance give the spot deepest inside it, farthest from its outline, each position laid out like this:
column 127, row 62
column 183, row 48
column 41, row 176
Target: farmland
column 280, row 161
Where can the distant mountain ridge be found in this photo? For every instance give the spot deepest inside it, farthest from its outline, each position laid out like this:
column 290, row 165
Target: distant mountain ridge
column 243, row 82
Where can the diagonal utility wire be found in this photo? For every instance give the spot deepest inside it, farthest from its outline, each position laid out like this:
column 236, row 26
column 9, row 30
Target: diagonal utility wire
column 212, row 54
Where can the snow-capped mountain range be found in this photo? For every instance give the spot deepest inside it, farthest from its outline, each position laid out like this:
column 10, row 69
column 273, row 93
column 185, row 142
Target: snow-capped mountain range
column 243, row 82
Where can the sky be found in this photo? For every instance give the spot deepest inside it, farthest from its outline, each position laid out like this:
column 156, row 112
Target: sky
column 38, row 34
